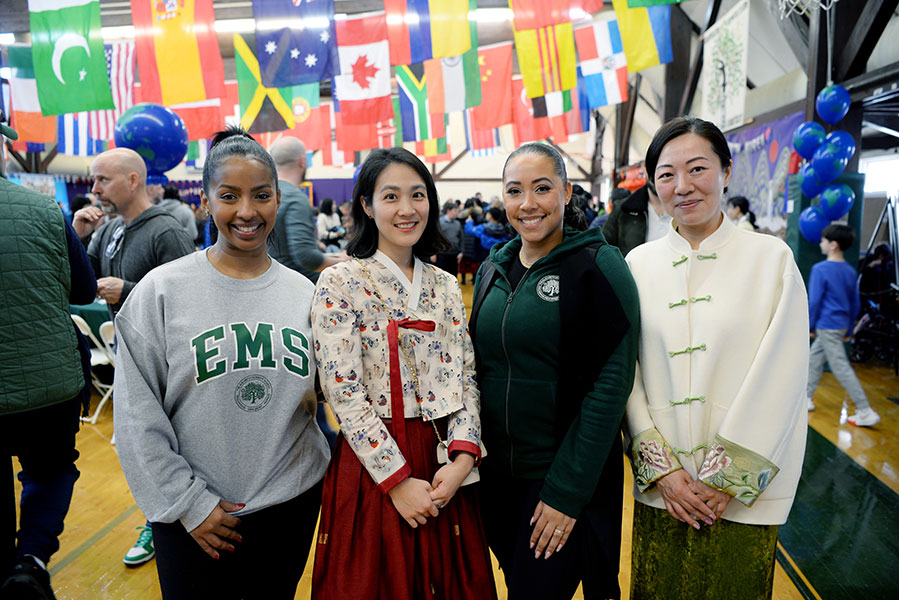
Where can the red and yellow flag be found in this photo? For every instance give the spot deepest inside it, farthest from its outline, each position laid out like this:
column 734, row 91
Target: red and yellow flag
column 546, row 58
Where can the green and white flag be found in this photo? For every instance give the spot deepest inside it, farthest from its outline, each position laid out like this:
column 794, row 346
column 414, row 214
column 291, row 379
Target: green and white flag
column 69, row 62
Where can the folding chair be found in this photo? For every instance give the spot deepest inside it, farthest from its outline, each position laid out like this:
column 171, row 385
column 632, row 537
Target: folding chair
column 100, row 355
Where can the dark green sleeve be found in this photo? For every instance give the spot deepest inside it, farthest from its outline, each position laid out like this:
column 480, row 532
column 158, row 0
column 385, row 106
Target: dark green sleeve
column 578, row 464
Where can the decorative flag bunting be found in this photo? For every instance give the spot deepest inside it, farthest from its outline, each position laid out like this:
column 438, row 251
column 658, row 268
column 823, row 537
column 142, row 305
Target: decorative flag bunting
column 602, row 63
column 645, row 34
column 261, row 109
column 480, row 142
column 67, row 48
column 74, row 138
column 332, row 156
column 454, row 83
column 363, row 86
column 418, row 121
column 434, row 151
column 196, row 153
column 553, row 104
column 307, row 116
column 496, row 75
column 177, row 51
column 390, row 133
column 120, row 67
column 296, row 42
column 535, row 14
column 26, row 117
column 423, row 29
column 546, row 59
column 527, row 128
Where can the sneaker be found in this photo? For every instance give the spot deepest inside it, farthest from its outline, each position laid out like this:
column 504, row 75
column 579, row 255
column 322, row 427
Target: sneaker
column 811, row 404
column 865, row 418
column 143, row 549
column 27, row 581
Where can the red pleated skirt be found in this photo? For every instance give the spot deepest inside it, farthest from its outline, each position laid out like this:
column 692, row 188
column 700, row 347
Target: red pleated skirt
column 366, row 551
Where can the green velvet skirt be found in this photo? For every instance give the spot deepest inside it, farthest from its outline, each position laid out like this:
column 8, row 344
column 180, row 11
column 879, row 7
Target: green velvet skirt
column 671, row 560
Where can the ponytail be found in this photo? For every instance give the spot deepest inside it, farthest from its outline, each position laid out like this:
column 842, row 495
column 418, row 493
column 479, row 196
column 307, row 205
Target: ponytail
column 574, row 217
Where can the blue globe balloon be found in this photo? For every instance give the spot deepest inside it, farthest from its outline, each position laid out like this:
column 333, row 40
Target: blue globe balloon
column 157, row 134
column 807, row 137
column 843, row 141
column 836, row 200
column 828, row 162
column 832, row 103
column 810, row 182
column 811, row 223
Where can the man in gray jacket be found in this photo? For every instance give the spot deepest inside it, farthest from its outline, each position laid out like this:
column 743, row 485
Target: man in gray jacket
column 293, row 242
column 140, row 238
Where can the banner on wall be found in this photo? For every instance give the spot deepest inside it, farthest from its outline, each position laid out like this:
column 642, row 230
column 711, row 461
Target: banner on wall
column 761, row 158
column 724, row 68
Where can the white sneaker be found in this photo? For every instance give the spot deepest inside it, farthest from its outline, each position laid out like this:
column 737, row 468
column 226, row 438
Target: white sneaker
column 811, row 404
column 865, row 418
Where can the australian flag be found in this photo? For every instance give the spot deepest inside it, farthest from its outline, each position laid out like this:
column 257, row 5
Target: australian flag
column 296, row 41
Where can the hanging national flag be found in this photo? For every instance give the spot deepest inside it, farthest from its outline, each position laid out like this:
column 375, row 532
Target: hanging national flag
column 177, row 51
column 295, row 41
column 307, row 116
column 643, row 3
column 331, row 155
column 553, row 104
column 363, row 86
column 602, row 62
column 68, row 56
column 588, row 6
column 434, row 150
column 583, row 101
column 120, row 67
column 479, row 142
column 423, row 29
column 261, row 108
column 26, row 118
column 74, row 138
column 454, row 82
column 196, row 153
column 546, row 59
column 418, row 121
column 390, row 133
column 645, row 35
column 535, row 14
column 496, row 75
column 526, row 127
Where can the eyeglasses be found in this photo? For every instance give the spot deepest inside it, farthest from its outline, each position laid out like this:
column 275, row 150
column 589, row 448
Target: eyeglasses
column 116, row 242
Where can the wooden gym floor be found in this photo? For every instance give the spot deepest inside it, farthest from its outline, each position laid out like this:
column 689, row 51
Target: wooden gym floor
column 841, row 540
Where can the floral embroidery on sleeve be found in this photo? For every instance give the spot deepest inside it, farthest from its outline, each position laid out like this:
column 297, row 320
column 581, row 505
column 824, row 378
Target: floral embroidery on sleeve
column 737, row 471
column 652, row 458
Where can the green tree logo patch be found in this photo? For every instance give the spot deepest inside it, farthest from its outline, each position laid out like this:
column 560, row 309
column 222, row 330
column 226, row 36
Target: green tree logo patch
column 253, row 393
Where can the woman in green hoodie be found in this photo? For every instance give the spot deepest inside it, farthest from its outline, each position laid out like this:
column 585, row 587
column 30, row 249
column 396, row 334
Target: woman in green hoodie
column 555, row 327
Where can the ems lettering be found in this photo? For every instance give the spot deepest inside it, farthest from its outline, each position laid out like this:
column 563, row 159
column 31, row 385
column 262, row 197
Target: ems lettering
column 249, row 346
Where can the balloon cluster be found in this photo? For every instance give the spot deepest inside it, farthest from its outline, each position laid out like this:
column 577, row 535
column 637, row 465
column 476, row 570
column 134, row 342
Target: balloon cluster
column 828, row 154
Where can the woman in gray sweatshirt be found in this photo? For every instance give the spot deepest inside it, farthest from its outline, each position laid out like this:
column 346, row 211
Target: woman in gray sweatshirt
column 214, row 405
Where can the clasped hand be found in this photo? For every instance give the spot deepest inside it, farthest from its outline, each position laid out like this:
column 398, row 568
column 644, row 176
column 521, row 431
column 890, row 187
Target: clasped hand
column 689, row 500
column 416, row 499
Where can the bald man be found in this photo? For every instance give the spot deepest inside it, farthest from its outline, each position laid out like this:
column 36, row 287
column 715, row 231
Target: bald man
column 138, row 238
column 293, row 241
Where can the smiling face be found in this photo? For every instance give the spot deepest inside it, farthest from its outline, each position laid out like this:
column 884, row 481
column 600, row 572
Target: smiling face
column 535, row 197
column 243, row 202
column 399, row 207
column 690, row 182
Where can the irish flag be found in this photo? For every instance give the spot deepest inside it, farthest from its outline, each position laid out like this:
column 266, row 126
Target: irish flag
column 27, row 120
column 177, row 51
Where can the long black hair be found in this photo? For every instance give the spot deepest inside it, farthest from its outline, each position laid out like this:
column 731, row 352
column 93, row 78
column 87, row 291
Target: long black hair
column 573, row 216
column 677, row 127
column 232, row 141
column 743, row 204
column 364, row 240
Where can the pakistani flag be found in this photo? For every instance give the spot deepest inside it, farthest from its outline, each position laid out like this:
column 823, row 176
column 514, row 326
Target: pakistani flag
column 69, row 62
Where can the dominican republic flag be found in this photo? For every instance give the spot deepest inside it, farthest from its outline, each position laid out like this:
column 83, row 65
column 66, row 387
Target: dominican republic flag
column 363, row 86
column 602, row 62
column 73, row 137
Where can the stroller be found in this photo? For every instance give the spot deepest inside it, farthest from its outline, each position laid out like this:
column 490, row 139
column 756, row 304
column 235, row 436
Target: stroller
column 876, row 332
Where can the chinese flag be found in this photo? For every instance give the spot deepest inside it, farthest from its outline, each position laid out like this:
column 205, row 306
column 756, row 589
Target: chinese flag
column 496, row 91
column 177, row 51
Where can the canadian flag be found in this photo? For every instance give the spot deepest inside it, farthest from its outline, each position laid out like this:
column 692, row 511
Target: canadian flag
column 363, row 85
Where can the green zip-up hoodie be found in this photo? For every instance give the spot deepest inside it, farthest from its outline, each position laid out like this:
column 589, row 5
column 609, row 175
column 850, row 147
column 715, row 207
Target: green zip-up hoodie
column 554, row 386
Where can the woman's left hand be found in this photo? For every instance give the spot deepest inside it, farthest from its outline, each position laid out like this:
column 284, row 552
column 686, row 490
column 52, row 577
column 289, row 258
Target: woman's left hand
column 713, row 498
column 449, row 477
column 551, row 530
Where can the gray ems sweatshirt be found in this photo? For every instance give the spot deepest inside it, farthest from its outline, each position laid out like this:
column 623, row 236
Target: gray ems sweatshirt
column 214, row 391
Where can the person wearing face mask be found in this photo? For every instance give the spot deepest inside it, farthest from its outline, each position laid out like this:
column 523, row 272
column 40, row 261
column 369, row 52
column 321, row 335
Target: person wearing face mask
column 215, row 403
column 717, row 419
column 554, row 323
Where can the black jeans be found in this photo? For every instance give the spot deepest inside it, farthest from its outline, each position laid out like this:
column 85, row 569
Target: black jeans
column 267, row 565
column 44, row 441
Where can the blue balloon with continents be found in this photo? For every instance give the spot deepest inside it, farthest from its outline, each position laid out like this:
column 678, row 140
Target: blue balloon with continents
column 836, row 200
column 810, row 181
column 157, row 134
column 812, row 222
column 832, row 103
column 807, row 137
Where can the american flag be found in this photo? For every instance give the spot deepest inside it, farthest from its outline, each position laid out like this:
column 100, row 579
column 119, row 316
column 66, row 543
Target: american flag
column 120, row 67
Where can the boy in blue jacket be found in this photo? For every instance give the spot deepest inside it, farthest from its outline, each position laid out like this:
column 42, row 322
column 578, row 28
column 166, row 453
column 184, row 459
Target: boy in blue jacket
column 833, row 304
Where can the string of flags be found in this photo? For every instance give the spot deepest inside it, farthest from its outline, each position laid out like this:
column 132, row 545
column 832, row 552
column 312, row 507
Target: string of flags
column 396, row 74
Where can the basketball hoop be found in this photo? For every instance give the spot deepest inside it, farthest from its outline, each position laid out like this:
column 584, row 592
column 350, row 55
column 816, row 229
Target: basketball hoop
column 801, row 7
